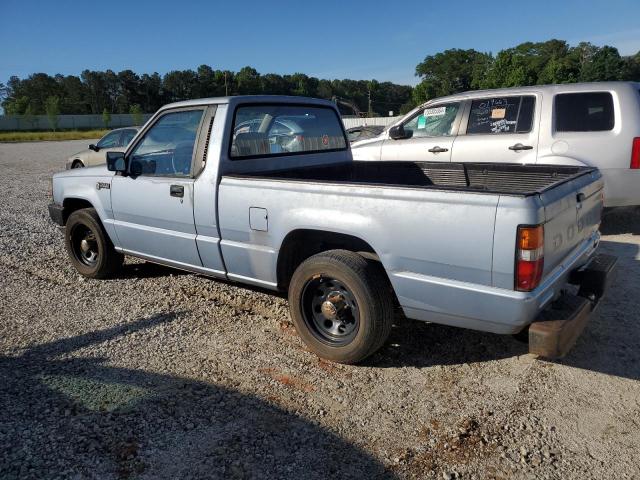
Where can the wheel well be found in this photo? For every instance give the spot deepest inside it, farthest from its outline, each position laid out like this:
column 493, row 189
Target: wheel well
column 77, row 161
column 72, row 204
column 299, row 245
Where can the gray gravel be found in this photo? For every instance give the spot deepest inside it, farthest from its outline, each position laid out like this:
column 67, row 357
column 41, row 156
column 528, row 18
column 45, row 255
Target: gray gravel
column 162, row 374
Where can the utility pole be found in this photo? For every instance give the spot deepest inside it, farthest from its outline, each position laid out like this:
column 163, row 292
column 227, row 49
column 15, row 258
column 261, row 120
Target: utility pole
column 369, row 112
column 226, row 88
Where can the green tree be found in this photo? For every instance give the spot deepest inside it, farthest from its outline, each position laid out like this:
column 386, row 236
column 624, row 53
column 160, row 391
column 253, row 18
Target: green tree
column 151, row 92
column 450, row 72
column 248, row 81
column 106, row 117
column 128, row 90
column 531, row 63
column 52, row 107
column 324, row 89
column 631, row 68
column 273, row 84
column 136, row 114
column 96, row 90
column 16, row 106
column 29, row 117
column 179, row 85
column 605, row 64
column 73, row 95
column 4, row 92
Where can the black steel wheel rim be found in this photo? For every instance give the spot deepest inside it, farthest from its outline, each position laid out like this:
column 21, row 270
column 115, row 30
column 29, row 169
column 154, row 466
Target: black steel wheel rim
column 330, row 310
column 84, row 245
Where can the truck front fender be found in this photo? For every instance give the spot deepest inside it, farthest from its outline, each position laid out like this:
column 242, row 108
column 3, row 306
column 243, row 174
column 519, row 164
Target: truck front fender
column 93, row 192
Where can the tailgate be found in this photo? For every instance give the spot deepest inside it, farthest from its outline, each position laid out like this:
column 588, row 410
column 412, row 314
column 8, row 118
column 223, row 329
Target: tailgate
column 572, row 213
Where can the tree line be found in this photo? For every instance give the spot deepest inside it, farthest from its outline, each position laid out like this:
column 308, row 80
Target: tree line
column 96, row 92
column 444, row 73
column 529, row 63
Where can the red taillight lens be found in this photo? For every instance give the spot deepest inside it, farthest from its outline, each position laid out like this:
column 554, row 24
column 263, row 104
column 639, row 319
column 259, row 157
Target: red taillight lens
column 529, row 257
column 635, row 153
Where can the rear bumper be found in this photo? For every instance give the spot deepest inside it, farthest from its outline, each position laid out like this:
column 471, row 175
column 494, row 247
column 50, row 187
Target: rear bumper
column 56, row 212
column 557, row 328
column 482, row 307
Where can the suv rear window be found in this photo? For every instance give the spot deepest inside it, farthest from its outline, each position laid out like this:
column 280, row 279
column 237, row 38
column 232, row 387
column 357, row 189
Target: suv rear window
column 584, row 112
column 275, row 130
column 501, row 115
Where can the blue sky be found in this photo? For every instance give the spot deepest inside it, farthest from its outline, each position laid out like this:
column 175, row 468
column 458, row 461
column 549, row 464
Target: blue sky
column 327, row 39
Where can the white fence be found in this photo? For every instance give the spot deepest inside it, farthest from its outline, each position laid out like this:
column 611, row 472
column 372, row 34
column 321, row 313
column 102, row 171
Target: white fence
column 70, row 122
column 66, row 122
column 356, row 122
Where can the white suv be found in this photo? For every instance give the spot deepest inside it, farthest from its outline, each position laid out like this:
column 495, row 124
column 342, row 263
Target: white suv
column 596, row 124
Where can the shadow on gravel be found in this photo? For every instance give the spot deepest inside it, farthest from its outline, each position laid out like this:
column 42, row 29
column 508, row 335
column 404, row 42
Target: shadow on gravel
column 618, row 221
column 148, row 270
column 144, row 269
column 78, row 417
column 609, row 343
column 418, row 344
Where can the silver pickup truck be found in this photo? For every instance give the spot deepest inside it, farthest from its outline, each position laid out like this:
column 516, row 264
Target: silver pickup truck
column 263, row 190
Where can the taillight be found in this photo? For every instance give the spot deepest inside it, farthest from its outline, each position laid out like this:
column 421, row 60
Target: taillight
column 635, row 153
column 529, row 257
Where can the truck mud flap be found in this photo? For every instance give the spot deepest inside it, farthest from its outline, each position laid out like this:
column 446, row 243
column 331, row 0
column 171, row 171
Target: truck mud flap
column 56, row 212
column 556, row 329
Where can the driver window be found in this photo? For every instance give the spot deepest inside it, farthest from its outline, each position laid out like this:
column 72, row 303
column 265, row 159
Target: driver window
column 167, row 147
column 110, row 140
column 436, row 121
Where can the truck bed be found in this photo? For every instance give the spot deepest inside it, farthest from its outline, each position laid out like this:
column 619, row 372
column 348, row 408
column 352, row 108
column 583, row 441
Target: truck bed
column 495, row 178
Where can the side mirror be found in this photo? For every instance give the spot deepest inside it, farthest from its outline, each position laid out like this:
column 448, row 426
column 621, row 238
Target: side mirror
column 398, row 132
column 116, row 162
column 93, row 147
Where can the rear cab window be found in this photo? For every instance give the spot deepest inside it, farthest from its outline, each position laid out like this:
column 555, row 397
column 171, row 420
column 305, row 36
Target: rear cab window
column 275, row 130
column 501, row 115
column 584, row 112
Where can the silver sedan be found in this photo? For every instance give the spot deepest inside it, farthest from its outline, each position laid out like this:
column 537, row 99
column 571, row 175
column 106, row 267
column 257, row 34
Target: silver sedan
column 114, row 141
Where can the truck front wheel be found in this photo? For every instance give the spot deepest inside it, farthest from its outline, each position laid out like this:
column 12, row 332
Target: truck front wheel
column 89, row 248
column 341, row 305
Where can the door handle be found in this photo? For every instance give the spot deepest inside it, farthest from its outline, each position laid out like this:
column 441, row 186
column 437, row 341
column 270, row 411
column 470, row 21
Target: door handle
column 176, row 191
column 518, row 146
column 438, row 150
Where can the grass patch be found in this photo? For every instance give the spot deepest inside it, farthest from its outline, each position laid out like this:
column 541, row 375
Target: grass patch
column 42, row 136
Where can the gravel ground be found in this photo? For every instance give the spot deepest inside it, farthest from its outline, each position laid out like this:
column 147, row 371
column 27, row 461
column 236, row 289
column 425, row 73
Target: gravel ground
column 162, row 374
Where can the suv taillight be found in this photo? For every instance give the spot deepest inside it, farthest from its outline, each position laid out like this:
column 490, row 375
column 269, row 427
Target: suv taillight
column 529, row 257
column 635, row 153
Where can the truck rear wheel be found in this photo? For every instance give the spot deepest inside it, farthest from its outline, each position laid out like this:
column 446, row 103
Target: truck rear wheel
column 341, row 305
column 89, row 248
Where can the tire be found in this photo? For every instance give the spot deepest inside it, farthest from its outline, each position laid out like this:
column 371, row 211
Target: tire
column 351, row 293
column 96, row 257
column 77, row 164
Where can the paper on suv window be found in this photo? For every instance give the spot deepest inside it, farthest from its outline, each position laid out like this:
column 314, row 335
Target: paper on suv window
column 435, row 111
column 498, row 113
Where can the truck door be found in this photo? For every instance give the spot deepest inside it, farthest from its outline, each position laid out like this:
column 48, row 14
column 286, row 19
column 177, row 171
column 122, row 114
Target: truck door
column 500, row 129
column 431, row 131
column 153, row 204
